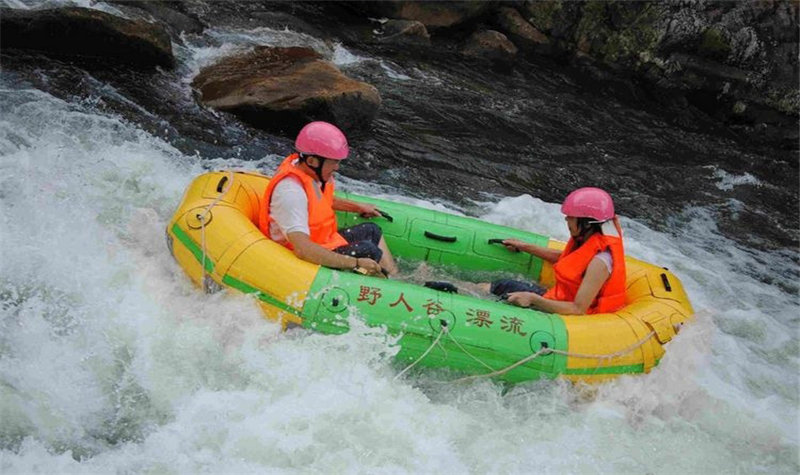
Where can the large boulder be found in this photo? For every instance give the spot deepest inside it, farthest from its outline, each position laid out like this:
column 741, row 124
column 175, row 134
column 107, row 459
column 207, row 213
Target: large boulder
column 405, row 33
column 490, row 44
column 280, row 89
column 87, row 36
column 521, row 32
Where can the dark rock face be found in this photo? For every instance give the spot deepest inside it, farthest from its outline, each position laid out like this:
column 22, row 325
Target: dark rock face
column 88, row 36
column 491, row 45
column 171, row 14
column 432, row 14
column 281, row 89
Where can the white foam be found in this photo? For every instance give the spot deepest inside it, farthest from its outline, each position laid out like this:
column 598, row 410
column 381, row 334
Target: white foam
column 728, row 181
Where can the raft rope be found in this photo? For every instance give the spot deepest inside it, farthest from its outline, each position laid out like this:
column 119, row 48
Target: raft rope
column 600, row 358
column 543, row 351
column 468, row 353
column 435, row 342
column 202, row 219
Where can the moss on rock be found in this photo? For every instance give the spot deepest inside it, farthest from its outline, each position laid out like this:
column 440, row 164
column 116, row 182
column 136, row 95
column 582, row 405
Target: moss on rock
column 541, row 13
column 714, row 45
column 637, row 31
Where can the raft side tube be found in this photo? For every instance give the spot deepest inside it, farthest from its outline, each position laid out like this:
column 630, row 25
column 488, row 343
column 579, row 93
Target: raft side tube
column 498, row 335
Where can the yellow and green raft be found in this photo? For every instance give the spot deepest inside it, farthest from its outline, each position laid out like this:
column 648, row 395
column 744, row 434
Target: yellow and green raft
column 214, row 238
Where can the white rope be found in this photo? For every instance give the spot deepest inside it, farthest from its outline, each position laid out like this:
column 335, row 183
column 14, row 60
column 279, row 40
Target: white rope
column 610, row 355
column 546, row 351
column 450, row 335
column 202, row 219
column 604, row 358
column 504, row 370
column 435, row 342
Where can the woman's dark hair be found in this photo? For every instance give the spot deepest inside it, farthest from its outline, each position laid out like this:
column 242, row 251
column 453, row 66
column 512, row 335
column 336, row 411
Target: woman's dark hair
column 587, row 227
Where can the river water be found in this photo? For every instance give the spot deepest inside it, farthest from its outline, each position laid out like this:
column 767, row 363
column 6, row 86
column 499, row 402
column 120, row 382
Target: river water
column 111, row 361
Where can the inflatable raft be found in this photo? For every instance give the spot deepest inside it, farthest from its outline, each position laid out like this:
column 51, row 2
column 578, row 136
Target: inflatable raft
column 214, row 239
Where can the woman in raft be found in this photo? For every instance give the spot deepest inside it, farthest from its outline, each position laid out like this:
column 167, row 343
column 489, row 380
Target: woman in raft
column 589, row 272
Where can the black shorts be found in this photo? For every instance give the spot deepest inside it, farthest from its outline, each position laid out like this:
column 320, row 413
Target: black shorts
column 504, row 287
column 362, row 241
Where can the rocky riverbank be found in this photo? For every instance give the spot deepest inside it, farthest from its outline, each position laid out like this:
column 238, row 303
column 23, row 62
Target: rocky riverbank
column 736, row 62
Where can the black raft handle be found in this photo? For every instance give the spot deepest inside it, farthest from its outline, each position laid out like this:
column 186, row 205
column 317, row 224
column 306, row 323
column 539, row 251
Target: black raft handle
column 221, row 183
column 665, row 281
column 386, row 215
column 439, row 237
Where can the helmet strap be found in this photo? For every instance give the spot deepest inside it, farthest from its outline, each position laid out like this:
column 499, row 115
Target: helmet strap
column 317, row 170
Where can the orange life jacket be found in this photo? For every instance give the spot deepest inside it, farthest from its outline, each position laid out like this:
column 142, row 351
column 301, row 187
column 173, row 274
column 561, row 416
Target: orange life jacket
column 321, row 217
column 571, row 266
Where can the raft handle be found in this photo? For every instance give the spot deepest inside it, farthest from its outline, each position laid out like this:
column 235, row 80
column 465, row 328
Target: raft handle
column 386, row 215
column 439, row 237
column 221, row 183
column 665, row 281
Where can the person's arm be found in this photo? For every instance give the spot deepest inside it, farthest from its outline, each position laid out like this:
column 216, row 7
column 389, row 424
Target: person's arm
column 596, row 275
column 308, row 250
column 549, row 255
column 366, row 210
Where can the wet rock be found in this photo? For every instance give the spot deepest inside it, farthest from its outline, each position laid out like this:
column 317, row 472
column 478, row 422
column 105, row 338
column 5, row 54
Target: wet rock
column 522, row 33
column 86, row 36
column 406, row 32
column 171, row 14
column 490, row 44
column 281, row 89
column 432, row 14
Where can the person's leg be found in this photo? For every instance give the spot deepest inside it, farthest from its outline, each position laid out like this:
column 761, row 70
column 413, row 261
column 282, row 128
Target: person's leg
column 506, row 286
column 387, row 261
column 361, row 249
column 371, row 232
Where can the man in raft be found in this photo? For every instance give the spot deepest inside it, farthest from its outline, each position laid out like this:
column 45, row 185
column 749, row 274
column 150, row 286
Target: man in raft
column 589, row 272
column 298, row 207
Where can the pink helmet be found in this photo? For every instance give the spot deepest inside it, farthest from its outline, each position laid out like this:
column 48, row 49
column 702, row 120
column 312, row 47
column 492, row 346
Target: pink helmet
column 589, row 203
column 323, row 140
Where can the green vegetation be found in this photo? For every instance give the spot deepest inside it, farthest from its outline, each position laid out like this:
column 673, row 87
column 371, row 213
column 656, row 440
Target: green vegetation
column 636, row 34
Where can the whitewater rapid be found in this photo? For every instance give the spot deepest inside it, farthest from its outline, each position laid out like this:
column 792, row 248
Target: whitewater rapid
column 111, row 361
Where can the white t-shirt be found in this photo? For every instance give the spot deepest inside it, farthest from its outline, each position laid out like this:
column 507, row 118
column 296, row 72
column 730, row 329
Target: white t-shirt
column 608, row 230
column 605, row 256
column 288, row 209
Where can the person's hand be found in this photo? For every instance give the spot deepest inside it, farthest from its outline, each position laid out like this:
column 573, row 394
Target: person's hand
column 366, row 210
column 513, row 245
column 522, row 299
column 372, row 267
